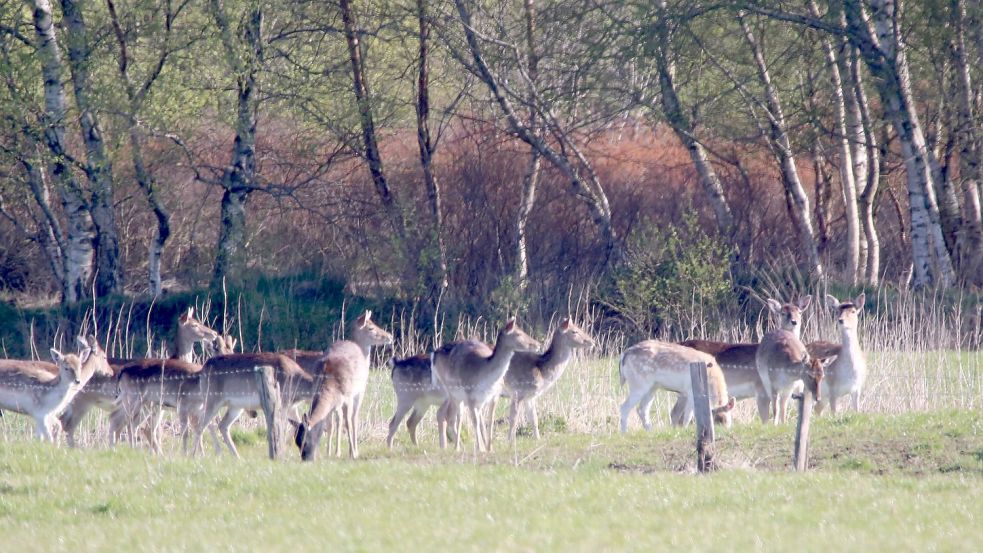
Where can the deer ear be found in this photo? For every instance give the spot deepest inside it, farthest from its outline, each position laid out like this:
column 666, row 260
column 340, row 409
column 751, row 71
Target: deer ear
column 368, row 315
column 56, row 356
column 83, row 345
column 565, row 325
column 832, row 302
column 510, row 325
column 773, row 305
column 804, row 302
column 859, row 301
column 84, row 355
column 731, row 403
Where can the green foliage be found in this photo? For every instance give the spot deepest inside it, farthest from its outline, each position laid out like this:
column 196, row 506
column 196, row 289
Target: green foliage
column 667, row 273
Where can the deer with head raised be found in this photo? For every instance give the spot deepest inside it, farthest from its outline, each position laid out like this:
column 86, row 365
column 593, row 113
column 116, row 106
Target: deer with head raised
column 847, row 373
column 472, row 373
column 531, row 374
column 782, row 360
column 652, row 365
column 29, row 387
column 739, row 363
column 340, row 384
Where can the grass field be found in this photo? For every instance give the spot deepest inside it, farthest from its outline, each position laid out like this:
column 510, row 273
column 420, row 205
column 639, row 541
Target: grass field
column 909, row 482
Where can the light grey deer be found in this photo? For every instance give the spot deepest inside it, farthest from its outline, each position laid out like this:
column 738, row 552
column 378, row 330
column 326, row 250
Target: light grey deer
column 340, row 385
column 416, row 392
column 532, row 374
column 472, row 373
column 848, row 371
column 29, row 387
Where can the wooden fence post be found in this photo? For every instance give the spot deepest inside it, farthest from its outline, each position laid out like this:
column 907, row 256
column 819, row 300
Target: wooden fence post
column 801, row 455
column 269, row 397
column 704, row 422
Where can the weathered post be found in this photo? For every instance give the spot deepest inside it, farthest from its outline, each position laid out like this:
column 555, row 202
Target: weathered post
column 269, row 397
column 704, row 422
column 801, row 456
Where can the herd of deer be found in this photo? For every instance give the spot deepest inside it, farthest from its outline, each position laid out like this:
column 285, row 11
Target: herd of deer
column 465, row 374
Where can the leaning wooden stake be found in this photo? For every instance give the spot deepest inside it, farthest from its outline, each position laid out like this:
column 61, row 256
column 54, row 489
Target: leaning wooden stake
column 704, row 422
column 801, row 456
column 269, row 397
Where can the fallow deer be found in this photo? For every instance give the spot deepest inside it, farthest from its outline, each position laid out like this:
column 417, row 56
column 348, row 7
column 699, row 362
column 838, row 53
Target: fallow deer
column 782, row 360
column 416, row 392
column 472, row 373
column 652, row 365
column 531, row 374
column 848, row 371
column 30, row 388
column 340, row 384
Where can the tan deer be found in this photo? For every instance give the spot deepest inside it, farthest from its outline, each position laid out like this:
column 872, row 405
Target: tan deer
column 229, row 381
column 790, row 318
column 531, row 374
column 652, row 365
column 102, row 390
column 340, row 384
column 30, row 388
column 782, row 360
column 472, row 373
column 416, row 392
column 848, row 371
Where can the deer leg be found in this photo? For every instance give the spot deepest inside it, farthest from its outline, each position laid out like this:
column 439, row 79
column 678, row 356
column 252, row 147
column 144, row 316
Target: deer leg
column 337, row 417
column 645, row 409
column 832, row 403
column 442, row 423
column 416, row 415
column 533, row 418
column 476, row 419
column 348, row 412
column 513, row 418
column 856, row 400
column 225, row 429
column 117, row 421
column 70, row 420
column 635, row 395
column 402, row 407
column 357, row 408
column 458, row 419
column 490, row 433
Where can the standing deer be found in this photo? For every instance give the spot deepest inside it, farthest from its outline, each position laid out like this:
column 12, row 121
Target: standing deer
column 739, row 365
column 782, row 360
column 473, row 373
column 416, row 391
column 102, row 390
column 847, row 373
column 651, row 365
column 30, row 388
column 531, row 374
column 340, row 384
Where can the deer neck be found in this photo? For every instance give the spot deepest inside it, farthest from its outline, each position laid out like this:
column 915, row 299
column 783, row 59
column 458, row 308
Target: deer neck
column 363, row 344
column 555, row 359
column 498, row 364
column 184, row 348
column 850, row 341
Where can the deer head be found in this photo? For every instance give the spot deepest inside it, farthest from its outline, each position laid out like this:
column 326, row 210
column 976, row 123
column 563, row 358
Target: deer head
column 790, row 314
column 368, row 333
column 574, row 335
column 70, row 365
column 513, row 338
column 722, row 415
column 848, row 313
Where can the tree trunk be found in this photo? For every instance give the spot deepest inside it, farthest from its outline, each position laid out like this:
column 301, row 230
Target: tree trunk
column 436, row 275
column 683, row 127
column 583, row 180
column 823, row 196
column 883, row 51
column 782, row 146
column 871, row 181
column 530, row 180
column 109, row 269
column 239, row 179
column 79, row 234
column 968, row 139
column 364, row 102
column 144, row 178
column 845, row 122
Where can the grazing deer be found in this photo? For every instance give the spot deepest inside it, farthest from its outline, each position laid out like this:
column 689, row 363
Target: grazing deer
column 416, row 392
column 782, row 360
column 848, row 371
column 531, row 374
column 30, row 388
column 650, row 365
column 340, row 384
column 472, row 373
